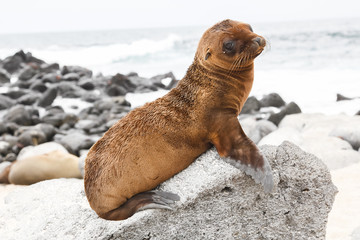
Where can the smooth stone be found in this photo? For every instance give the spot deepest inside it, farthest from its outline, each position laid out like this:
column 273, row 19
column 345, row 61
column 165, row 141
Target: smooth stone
column 349, row 132
column 251, row 105
column 15, row 94
column 123, row 81
column 81, row 71
column 48, row 68
column 38, row 86
column 4, row 147
column 12, row 64
column 114, row 90
column 40, row 149
column 19, row 115
column 6, row 102
column 86, row 84
column 32, row 137
column 158, row 80
column 26, row 73
column 290, row 108
column 48, row 97
column 28, row 99
column 71, row 77
column 272, row 100
column 10, row 157
column 51, row 78
column 74, row 142
column 4, row 76
column 51, row 165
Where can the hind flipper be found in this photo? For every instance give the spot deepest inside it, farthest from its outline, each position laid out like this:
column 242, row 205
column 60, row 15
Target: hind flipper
column 142, row 201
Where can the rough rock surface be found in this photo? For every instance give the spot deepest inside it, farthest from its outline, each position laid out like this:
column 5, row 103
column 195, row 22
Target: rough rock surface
column 218, row 201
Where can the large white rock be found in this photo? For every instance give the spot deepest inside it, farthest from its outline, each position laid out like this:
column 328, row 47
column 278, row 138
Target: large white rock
column 331, row 138
column 217, row 202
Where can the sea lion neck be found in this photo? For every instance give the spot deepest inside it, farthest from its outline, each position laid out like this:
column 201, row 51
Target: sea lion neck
column 230, row 89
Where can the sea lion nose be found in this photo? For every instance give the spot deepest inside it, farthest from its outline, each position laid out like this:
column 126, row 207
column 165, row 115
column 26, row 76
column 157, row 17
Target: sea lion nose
column 260, row 41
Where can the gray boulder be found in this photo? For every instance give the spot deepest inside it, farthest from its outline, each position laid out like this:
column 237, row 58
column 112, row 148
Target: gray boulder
column 26, row 73
column 251, row 105
column 4, row 76
column 218, row 201
column 6, row 102
column 48, row 97
column 272, row 100
column 19, row 115
column 290, row 108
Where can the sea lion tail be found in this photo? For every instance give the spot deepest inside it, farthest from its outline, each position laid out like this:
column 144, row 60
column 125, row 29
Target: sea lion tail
column 142, row 201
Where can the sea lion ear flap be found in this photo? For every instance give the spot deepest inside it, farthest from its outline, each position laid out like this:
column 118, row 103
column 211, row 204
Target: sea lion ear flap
column 207, row 54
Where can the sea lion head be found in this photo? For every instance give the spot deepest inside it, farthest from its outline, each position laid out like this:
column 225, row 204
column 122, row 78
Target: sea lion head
column 229, row 45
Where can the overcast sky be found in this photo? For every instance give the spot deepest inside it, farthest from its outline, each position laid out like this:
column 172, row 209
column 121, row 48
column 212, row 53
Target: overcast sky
column 18, row 16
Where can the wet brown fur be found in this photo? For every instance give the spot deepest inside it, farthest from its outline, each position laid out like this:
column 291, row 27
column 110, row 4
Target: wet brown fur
column 154, row 142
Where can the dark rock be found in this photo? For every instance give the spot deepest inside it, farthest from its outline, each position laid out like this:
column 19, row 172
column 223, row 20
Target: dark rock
column 111, row 122
column 19, row 115
column 48, row 98
column 76, row 69
column 86, row 125
column 69, row 90
column 272, row 100
column 358, row 113
column 2, row 128
column 10, row 157
column 28, row 99
column 29, row 58
column 251, row 105
column 26, row 73
column 48, row 68
column 90, row 97
column 340, row 97
column 12, row 63
column 123, row 81
column 120, row 109
column 4, row 148
column 56, row 117
column 6, row 102
column 15, row 94
column 114, row 90
column 132, row 74
column 120, row 101
column 290, row 108
column 71, row 77
column 4, row 76
column 99, row 130
column 74, row 142
column 158, row 80
column 11, row 127
column 48, row 129
column 38, row 86
column 86, row 84
column 32, row 137
column 51, row 78
column 103, row 105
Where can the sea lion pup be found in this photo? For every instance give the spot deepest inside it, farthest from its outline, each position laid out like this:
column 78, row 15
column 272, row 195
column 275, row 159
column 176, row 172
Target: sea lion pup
column 154, row 142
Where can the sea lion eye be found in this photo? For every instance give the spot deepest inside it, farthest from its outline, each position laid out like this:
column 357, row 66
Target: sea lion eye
column 229, row 46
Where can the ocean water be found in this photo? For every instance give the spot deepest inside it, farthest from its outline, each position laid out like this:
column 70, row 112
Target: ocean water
column 306, row 62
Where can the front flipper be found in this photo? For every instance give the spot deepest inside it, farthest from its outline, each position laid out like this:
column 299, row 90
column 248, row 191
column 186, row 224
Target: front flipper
column 238, row 150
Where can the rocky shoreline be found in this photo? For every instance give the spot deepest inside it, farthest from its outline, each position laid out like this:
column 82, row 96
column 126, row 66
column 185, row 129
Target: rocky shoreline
column 33, row 111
